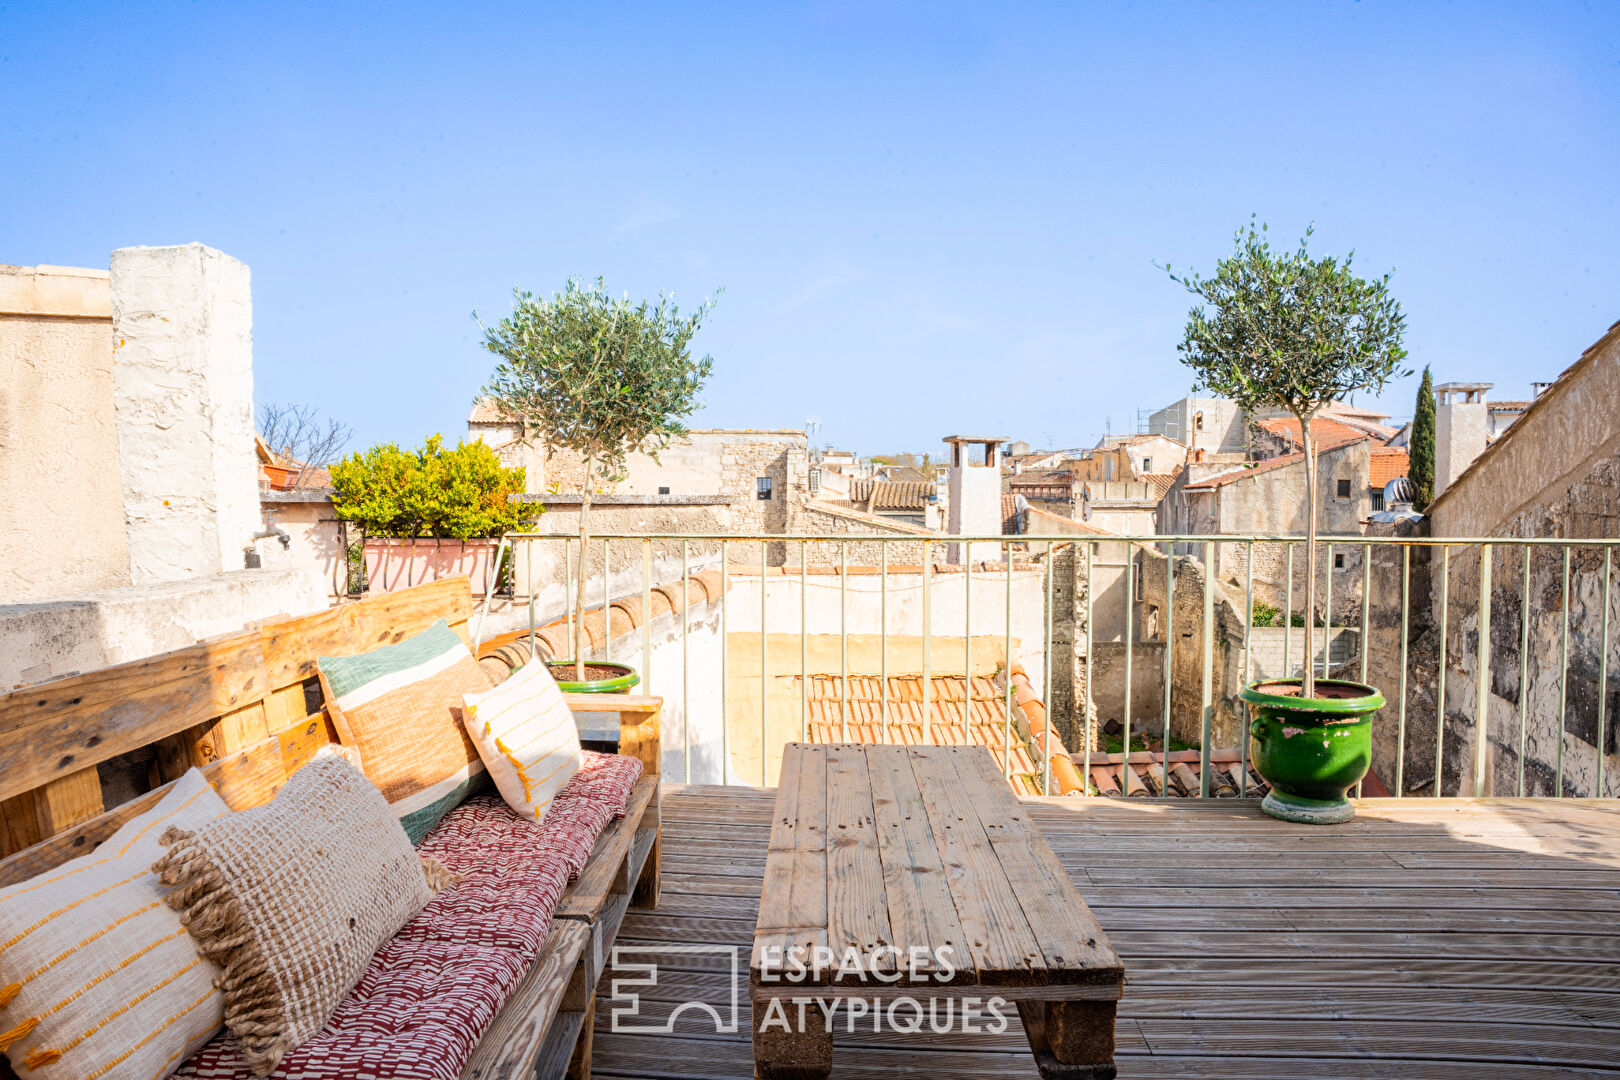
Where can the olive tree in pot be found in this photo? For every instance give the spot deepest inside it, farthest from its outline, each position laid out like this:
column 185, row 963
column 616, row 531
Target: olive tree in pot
column 1284, row 330
column 598, row 375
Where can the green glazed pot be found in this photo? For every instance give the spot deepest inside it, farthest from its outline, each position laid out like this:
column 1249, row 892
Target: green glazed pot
column 616, row 685
column 1311, row 750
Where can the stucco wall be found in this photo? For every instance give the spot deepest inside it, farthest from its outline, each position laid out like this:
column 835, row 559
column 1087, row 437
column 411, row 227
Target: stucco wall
column 183, row 394
column 51, row 638
column 64, row 517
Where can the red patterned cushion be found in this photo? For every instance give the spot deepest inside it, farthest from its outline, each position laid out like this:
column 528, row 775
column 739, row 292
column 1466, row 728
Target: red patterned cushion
column 434, row 988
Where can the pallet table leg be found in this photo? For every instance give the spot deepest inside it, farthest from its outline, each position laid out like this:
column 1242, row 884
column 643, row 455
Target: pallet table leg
column 795, row 1054
column 1071, row 1040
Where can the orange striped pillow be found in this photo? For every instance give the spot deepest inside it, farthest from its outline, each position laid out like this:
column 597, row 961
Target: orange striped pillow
column 526, row 735
column 97, row 976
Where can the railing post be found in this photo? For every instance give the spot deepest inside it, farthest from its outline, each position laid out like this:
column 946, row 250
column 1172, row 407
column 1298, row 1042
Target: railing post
column 1440, row 689
column 883, row 638
column 1086, row 709
column 764, row 668
column 843, row 641
column 1524, row 664
column 1482, row 676
column 646, row 615
column 1603, row 674
column 927, row 734
column 1207, row 701
column 1169, row 655
column 804, row 641
column 1563, row 678
column 1248, row 674
column 1130, row 635
column 1400, row 724
column 686, row 667
column 1006, row 659
column 725, row 669
column 1046, row 677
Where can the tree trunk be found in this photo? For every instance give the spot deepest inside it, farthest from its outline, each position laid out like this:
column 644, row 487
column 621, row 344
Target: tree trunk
column 1309, row 687
column 579, row 586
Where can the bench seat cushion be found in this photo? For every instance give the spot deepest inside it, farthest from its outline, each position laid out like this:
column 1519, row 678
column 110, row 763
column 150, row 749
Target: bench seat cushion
column 431, row 990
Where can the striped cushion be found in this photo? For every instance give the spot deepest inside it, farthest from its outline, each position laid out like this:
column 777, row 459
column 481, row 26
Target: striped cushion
column 397, row 705
column 98, row 977
column 526, row 736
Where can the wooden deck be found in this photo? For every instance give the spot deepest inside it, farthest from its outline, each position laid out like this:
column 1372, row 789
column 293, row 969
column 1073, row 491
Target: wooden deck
column 1428, row 938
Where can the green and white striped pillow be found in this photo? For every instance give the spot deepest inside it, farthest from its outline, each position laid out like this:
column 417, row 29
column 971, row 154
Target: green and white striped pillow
column 399, row 706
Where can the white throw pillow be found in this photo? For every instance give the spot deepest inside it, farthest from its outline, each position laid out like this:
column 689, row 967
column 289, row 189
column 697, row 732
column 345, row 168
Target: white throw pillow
column 97, row 975
column 526, row 736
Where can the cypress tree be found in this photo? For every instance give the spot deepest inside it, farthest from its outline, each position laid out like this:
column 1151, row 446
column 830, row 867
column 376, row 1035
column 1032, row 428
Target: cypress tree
column 1420, row 468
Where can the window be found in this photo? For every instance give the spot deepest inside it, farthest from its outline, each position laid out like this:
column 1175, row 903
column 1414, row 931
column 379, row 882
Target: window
column 1344, row 489
column 1147, row 464
column 1338, row 562
column 763, row 487
column 663, row 491
column 1378, row 500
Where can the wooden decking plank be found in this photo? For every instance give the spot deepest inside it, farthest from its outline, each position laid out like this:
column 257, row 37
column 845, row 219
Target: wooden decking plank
column 857, row 915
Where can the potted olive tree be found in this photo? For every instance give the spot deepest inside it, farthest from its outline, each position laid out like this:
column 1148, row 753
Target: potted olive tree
column 602, row 377
column 1281, row 329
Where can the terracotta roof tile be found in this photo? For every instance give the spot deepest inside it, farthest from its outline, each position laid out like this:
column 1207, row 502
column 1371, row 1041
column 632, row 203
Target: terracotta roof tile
column 891, row 494
column 1323, row 428
column 485, row 411
column 1387, row 463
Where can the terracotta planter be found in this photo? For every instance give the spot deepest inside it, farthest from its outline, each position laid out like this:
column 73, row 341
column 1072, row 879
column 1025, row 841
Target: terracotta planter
column 398, row 564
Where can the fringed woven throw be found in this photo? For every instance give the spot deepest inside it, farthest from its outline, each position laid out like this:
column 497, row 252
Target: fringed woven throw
column 292, row 898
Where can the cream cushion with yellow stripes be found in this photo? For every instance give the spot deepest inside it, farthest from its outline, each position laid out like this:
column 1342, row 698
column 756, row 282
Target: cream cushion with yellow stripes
column 98, row 977
column 526, row 736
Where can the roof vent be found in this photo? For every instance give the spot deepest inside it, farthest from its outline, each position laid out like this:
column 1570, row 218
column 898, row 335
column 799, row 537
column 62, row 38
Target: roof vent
column 1398, row 491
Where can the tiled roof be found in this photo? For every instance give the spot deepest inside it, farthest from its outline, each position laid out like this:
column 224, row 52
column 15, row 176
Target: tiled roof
column 1009, row 514
column 1388, row 462
column 485, row 411
column 1043, row 478
column 891, row 494
column 1270, row 464
column 1324, row 430
column 1143, row 775
column 1161, row 482
column 1507, row 406
column 1011, row 726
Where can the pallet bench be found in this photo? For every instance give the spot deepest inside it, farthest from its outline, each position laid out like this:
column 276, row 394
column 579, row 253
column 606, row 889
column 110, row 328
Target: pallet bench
column 237, row 707
column 886, row 853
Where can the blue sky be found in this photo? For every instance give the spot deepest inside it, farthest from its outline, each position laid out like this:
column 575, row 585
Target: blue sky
column 927, row 219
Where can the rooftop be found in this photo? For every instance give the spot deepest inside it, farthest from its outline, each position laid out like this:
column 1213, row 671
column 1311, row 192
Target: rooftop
column 1428, row 938
column 1388, row 462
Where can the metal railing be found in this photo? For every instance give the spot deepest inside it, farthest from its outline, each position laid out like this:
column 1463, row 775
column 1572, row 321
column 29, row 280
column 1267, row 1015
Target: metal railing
column 1036, row 555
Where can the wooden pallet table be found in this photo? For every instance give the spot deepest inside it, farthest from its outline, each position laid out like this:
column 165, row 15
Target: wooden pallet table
column 913, row 872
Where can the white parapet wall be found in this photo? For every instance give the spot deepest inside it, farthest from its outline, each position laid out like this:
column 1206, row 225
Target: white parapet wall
column 183, row 388
column 49, row 639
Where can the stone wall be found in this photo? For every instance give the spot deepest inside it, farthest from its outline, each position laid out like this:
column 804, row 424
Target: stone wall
column 1186, row 640
column 64, row 517
column 822, row 520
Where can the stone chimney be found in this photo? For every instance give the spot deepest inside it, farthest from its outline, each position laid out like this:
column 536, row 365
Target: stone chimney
column 1461, row 422
column 183, row 391
column 975, row 495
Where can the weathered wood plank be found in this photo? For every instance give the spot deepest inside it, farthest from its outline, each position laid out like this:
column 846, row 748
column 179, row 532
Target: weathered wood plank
column 58, row 728
column 68, row 801
column 857, row 912
column 290, row 646
column 587, row 894
column 1003, row 947
column 1073, row 945
column 922, row 915
column 793, row 893
column 510, row 1046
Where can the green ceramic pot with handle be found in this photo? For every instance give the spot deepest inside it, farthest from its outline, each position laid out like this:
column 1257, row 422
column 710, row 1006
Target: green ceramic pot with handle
column 563, row 672
column 1311, row 750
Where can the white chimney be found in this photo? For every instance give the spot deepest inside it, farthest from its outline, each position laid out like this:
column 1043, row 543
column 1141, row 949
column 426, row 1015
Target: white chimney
column 1461, row 421
column 975, row 496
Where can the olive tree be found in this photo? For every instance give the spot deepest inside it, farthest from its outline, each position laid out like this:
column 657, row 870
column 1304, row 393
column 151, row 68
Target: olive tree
column 1283, row 329
column 601, row 376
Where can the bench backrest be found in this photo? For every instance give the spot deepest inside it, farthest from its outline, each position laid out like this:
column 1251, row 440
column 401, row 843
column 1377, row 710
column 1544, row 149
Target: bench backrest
column 234, row 706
